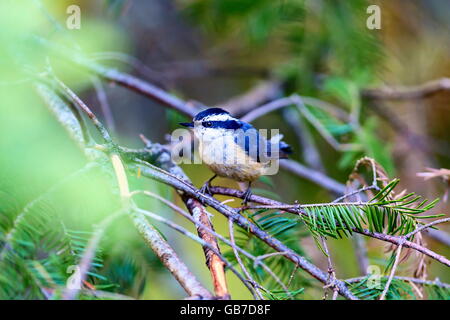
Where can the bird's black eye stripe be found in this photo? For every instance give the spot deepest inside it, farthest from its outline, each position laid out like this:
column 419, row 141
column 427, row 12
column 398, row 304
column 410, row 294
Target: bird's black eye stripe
column 227, row 124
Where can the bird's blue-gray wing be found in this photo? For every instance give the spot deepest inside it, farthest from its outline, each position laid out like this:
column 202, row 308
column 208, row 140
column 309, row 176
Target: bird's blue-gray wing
column 257, row 146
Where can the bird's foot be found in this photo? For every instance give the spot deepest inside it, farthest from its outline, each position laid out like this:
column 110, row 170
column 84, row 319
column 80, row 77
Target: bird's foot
column 205, row 188
column 247, row 196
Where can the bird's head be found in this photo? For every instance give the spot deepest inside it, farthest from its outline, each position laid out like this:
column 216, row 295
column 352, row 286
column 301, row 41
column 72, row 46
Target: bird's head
column 212, row 123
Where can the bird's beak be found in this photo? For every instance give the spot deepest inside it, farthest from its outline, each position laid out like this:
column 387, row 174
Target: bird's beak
column 187, row 124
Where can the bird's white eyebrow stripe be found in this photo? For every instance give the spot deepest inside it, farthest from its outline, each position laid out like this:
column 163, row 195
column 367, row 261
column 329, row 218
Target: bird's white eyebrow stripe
column 217, row 117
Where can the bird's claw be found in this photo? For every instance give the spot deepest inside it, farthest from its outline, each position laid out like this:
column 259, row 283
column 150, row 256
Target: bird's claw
column 205, row 189
column 247, row 195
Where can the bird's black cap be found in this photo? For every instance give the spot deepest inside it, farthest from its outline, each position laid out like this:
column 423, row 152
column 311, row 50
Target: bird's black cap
column 209, row 112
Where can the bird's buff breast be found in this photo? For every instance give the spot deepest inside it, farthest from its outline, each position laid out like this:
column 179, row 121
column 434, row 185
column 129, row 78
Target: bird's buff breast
column 226, row 159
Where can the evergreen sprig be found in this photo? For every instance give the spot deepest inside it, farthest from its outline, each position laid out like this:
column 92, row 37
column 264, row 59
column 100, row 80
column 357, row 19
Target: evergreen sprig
column 398, row 290
column 393, row 216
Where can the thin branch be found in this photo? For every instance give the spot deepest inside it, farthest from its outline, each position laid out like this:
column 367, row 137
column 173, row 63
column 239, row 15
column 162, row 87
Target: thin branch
column 257, row 293
column 407, row 93
column 198, row 211
column 419, row 229
column 169, row 258
column 298, row 102
column 345, row 196
column 104, row 104
column 295, row 210
column 268, row 255
column 262, row 92
column 306, row 143
column 313, row 175
column 86, row 110
column 391, row 276
column 407, row 244
column 321, row 129
column 331, row 271
column 267, row 108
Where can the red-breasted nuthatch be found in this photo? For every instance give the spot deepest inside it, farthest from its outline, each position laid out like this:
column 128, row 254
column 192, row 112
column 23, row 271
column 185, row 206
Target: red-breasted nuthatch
column 234, row 149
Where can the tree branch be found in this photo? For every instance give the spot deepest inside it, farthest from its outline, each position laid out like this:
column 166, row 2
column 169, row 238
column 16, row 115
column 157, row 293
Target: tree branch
column 406, row 93
column 162, row 158
column 295, row 210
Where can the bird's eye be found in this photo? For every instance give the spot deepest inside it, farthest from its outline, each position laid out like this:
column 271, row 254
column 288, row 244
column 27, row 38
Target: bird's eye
column 207, row 124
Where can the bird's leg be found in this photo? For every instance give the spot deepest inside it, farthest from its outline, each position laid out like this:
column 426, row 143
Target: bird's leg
column 205, row 188
column 247, row 194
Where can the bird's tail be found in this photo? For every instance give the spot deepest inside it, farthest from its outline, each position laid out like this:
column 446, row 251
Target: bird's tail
column 285, row 150
column 283, row 147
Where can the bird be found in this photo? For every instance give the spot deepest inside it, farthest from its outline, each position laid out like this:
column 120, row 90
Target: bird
column 234, row 149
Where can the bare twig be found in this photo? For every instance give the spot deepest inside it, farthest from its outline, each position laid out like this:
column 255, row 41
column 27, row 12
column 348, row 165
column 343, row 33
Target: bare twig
column 308, row 147
column 297, row 101
column 121, row 78
column 78, row 102
column 406, row 93
column 331, row 271
column 257, row 293
column 421, row 228
column 262, row 92
column 267, row 108
column 315, row 176
column 391, row 276
column 407, row 244
column 104, row 104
